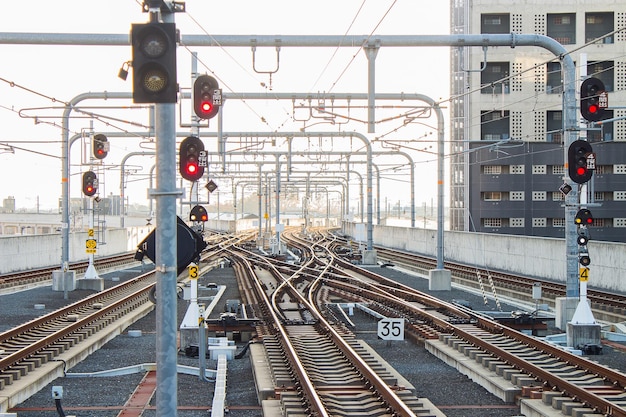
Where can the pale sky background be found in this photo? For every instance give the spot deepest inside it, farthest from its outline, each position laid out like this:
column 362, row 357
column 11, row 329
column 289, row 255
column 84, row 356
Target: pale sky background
column 47, row 76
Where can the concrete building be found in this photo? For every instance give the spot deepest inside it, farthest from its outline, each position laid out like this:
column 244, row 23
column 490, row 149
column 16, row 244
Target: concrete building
column 506, row 117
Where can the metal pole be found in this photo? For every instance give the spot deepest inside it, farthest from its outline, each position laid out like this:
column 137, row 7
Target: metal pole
column 166, row 256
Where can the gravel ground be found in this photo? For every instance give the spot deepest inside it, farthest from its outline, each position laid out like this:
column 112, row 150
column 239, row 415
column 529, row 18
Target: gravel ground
column 453, row 393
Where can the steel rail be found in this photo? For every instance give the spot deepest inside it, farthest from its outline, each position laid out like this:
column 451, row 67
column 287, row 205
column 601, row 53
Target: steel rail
column 313, row 398
column 63, row 311
column 13, row 359
column 556, row 383
column 387, row 393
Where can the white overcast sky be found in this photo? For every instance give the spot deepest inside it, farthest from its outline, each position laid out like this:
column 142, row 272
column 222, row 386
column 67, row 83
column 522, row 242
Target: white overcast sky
column 46, row 76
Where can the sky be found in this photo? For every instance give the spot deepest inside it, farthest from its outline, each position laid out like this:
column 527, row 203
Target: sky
column 36, row 81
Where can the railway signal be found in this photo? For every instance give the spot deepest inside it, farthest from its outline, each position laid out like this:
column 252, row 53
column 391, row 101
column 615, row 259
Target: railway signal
column 583, row 236
column 189, row 245
column 189, row 158
column 584, row 217
column 154, row 62
column 584, row 259
column 207, row 97
column 198, row 214
column 590, row 92
column 90, row 183
column 100, row 146
column 579, row 154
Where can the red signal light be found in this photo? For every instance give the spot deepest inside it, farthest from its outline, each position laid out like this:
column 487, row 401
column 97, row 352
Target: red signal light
column 591, row 90
column 90, row 183
column 190, row 153
column 192, row 168
column 207, row 97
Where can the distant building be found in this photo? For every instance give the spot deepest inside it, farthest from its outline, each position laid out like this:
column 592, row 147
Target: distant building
column 8, row 204
column 506, row 131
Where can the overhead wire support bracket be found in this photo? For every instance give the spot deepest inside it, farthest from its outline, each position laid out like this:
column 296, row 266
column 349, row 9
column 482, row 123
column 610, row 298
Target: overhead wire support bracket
column 483, row 64
column 270, row 72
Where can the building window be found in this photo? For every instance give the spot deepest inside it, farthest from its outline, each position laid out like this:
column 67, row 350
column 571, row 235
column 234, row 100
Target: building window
column 598, row 24
column 558, row 170
column 619, row 195
column 557, row 196
column 619, row 222
column 517, row 169
column 516, row 222
column 495, row 23
column 598, row 196
column 492, row 169
column 554, row 126
column 558, row 222
column 492, row 222
column 492, row 196
column 516, row 195
column 603, row 169
column 619, row 169
column 562, row 27
column 604, row 71
column 554, row 83
column 539, row 221
column 494, row 125
column 539, row 169
column 539, row 195
column 492, row 74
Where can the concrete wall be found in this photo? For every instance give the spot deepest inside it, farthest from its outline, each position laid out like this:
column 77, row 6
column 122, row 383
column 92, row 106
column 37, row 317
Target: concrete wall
column 526, row 255
column 23, row 252
column 19, row 253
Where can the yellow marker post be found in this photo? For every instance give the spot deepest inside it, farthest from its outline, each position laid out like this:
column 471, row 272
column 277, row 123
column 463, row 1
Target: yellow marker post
column 583, row 274
column 90, row 245
column 193, row 271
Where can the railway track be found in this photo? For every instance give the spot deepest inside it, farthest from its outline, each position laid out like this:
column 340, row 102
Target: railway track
column 320, row 368
column 607, row 306
column 538, row 369
column 327, row 373
column 44, row 275
column 39, row 346
column 36, row 352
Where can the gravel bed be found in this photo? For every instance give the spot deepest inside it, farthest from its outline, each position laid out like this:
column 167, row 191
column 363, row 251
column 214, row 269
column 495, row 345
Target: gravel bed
column 453, row 393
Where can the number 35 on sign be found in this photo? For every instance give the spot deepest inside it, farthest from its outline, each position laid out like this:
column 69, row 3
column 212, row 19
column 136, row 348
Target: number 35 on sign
column 391, row 329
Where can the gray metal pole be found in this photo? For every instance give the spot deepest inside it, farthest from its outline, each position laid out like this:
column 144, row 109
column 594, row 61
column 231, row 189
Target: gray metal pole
column 260, row 195
column 371, row 51
column 440, row 188
column 166, row 257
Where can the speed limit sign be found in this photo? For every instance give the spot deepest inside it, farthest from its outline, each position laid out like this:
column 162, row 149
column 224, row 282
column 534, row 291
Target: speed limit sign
column 391, row 329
